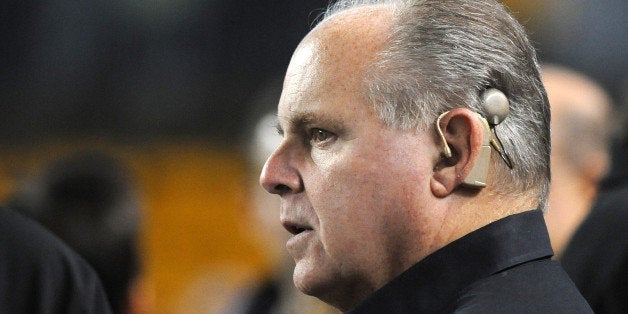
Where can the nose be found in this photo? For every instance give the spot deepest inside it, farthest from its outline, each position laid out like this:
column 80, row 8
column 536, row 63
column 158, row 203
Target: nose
column 279, row 175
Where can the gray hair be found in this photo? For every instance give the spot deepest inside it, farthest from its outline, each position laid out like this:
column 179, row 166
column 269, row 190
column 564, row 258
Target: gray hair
column 443, row 54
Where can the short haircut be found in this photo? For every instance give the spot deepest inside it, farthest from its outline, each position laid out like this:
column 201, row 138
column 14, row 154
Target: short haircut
column 442, row 54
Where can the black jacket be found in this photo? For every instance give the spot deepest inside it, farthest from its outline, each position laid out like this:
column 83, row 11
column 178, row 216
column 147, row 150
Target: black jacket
column 40, row 274
column 596, row 258
column 504, row 267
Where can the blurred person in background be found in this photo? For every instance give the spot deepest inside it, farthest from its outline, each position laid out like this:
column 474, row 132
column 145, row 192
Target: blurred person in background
column 588, row 214
column 581, row 129
column 89, row 200
column 39, row 273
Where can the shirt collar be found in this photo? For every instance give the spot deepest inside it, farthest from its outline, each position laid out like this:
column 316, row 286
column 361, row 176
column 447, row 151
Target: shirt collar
column 437, row 279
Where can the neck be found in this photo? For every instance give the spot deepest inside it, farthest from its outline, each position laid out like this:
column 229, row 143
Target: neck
column 469, row 213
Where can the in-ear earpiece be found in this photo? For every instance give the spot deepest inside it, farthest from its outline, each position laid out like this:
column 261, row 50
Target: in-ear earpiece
column 478, row 174
column 496, row 105
column 446, row 149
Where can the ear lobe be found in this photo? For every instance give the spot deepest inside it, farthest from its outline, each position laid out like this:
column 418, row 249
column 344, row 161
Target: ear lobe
column 463, row 132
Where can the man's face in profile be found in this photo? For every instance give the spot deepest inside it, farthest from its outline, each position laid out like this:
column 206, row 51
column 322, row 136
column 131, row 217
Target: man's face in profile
column 347, row 181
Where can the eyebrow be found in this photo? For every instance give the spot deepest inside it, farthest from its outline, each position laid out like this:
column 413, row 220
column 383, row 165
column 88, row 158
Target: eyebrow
column 302, row 120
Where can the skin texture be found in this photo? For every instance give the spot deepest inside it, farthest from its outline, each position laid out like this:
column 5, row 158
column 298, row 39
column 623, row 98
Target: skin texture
column 363, row 200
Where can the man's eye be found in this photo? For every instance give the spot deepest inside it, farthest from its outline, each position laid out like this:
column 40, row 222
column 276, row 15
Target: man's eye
column 318, row 135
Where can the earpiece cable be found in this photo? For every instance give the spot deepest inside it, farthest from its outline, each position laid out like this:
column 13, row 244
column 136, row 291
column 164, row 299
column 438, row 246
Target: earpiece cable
column 497, row 145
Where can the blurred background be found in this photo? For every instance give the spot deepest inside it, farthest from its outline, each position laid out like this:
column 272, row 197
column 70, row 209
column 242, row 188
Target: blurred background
column 173, row 88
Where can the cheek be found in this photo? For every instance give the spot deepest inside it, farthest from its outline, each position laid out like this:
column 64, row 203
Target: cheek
column 357, row 199
column 343, row 184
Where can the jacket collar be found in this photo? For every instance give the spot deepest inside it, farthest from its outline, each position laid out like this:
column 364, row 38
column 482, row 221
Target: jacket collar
column 436, row 280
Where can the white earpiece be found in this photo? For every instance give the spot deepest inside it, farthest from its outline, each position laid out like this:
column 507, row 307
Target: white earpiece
column 478, row 174
column 496, row 105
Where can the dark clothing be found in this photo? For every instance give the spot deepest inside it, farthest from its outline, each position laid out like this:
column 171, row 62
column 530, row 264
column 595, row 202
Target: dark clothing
column 504, row 267
column 40, row 274
column 596, row 258
column 262, row 298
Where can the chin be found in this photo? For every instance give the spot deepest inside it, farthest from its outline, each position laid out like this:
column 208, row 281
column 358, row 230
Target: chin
column 304, row 278
column 311, row 278
column 317, row 281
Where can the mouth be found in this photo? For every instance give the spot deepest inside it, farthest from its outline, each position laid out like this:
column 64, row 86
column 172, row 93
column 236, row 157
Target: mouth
column 295, row 228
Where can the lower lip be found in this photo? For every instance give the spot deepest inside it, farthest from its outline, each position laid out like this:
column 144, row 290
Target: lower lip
column 295, row 242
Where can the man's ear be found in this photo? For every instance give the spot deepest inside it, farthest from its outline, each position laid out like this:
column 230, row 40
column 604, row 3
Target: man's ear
column 463, row 131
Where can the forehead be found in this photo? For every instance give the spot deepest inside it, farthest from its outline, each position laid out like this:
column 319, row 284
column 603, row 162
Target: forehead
column 330, row 63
